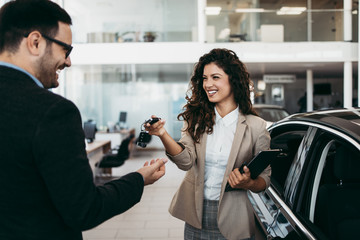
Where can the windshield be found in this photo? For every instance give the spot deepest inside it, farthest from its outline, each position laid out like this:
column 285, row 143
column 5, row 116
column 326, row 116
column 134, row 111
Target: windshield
column 272, row 114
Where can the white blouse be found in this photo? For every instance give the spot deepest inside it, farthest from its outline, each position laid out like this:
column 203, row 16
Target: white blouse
column 218, row 148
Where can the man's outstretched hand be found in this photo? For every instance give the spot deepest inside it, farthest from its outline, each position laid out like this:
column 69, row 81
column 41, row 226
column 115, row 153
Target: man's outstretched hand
column 153, row 171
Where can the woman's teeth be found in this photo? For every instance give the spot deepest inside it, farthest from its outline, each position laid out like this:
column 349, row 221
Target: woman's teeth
column 212, row 92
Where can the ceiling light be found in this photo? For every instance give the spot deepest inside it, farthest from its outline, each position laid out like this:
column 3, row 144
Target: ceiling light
column 261, row 85
column 212, row 10
column 249, row 10
column 291, row 10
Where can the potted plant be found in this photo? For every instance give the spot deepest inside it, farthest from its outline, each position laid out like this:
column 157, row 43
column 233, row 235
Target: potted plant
column 149, row 36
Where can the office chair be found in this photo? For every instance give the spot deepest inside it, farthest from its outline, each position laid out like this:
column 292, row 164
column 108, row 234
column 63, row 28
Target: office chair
column 90, row 130
column 115, row 157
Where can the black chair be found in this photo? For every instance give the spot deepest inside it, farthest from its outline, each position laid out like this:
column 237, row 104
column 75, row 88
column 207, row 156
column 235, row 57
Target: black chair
column 337, row 208
column 90, row 130
column 115, row 157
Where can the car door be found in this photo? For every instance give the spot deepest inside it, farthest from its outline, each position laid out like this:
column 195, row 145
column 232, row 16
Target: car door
column 328, row 205
column 273, row 207
column 319, row 197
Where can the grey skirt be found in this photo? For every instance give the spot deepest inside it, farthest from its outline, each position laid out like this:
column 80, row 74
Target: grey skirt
column 210, row 229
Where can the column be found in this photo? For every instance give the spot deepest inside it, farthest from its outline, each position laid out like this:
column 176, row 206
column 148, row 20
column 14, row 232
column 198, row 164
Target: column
column 254, row 22
column 133, row 72
column 347, row 84
column 201, row 21
column 347, row 65
column 309, row 21
column 309, row 90
column 347, row 21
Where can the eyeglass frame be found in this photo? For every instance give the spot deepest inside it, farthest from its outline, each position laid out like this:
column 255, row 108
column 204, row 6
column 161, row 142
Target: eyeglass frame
column 68, row 47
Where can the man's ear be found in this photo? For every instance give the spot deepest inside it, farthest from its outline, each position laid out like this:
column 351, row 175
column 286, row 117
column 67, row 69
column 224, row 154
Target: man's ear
column 35, row 43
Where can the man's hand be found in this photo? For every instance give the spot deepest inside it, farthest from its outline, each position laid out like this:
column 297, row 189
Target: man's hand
column 153, row 171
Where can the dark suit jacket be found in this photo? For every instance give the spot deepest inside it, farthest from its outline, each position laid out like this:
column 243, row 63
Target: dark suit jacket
column 46, row 183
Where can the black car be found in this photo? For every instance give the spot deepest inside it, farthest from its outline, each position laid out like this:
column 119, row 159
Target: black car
column 315, row 182
column 270, row 113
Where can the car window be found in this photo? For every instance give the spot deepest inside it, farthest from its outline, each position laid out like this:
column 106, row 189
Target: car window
column 325, row 158
column 289, row 142
column 293, row 179
column 330, row 188
column 336, row 208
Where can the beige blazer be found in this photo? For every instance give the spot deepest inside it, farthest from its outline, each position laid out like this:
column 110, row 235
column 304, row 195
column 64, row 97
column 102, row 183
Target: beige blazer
column 235, row 216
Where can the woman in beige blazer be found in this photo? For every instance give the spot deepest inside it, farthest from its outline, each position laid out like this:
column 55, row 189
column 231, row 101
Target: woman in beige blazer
column 221, row 132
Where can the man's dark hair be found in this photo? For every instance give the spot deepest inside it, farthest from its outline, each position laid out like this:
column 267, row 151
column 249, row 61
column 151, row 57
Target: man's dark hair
column 20, row 17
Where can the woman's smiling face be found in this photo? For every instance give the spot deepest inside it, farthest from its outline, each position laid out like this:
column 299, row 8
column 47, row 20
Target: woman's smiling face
column 216, row 84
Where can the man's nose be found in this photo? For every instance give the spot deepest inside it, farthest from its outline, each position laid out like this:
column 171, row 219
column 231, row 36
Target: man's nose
column 68, row 61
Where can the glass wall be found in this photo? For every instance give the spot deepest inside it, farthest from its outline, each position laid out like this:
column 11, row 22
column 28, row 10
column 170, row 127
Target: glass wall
column 102, row 92
column 132, row 21
column 227, row 21
column 277, row 21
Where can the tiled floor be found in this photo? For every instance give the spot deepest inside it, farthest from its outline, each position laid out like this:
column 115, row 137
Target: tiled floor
column 149, row 219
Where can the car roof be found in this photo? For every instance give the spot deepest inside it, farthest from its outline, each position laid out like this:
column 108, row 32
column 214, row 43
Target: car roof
column 344, row 120
column 267, row 106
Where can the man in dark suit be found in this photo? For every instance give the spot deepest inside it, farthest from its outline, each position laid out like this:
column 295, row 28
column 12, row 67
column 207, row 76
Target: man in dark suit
column 46, row 183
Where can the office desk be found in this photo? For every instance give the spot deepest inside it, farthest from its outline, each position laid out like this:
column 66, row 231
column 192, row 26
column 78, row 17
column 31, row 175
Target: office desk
column 115, row 137
column 96, row 150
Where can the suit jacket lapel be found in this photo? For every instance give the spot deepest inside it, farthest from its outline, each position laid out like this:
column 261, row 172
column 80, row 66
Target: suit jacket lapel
column 200, row 177
column 238, row 137
column 201, row 153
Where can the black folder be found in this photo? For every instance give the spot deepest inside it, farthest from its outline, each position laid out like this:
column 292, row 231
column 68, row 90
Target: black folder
column 258, row 164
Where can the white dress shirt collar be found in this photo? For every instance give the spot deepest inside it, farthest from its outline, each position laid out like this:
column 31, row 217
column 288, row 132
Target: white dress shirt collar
column 229, row 118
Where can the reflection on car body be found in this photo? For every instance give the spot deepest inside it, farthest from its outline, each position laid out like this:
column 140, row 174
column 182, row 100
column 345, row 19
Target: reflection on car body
column 315, row 186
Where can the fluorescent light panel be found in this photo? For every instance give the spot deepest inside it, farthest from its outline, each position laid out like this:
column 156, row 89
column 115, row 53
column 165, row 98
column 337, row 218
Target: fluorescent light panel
column 291, row 10
column 249, row 10
column 212, row 10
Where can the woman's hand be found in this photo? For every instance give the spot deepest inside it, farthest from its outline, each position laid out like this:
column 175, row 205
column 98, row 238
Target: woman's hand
column 238, row 180
column 244, row 181
column 157, row 128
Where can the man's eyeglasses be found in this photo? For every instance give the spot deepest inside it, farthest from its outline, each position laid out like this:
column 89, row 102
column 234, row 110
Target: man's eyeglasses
column 67, row 47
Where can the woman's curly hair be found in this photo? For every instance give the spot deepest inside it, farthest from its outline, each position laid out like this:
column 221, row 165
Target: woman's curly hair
column 199, row 112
